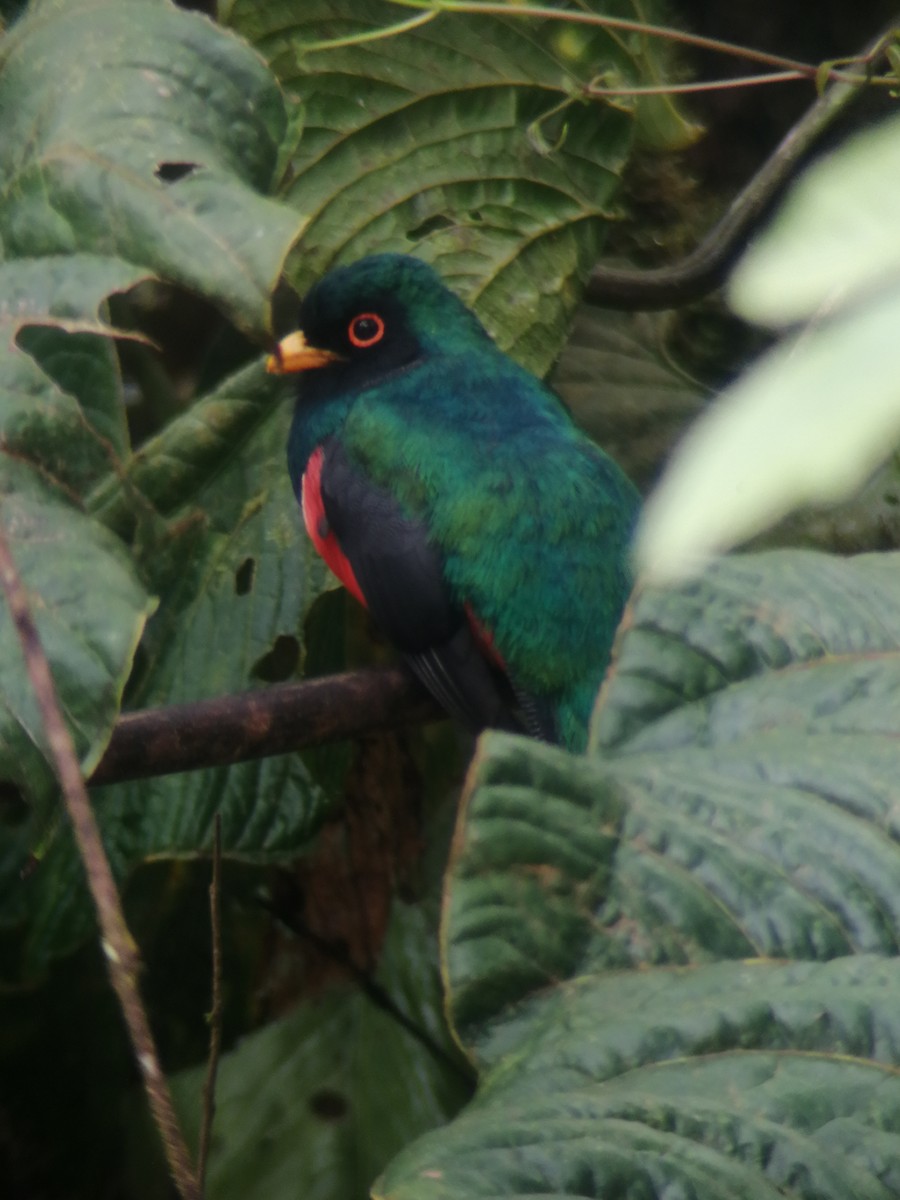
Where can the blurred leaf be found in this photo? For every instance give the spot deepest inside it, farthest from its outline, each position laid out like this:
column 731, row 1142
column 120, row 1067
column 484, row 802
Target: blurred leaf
column 156, row 154
column 463, row 141
column 834, row 239
column 739, row 803
column 805, row 426
column 809, row 423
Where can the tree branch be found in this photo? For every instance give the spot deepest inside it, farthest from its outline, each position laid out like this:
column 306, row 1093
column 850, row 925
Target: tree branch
column 273, row 720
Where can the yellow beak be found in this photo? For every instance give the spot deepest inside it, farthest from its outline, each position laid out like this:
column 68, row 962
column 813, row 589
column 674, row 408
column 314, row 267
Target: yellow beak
column 293, row 353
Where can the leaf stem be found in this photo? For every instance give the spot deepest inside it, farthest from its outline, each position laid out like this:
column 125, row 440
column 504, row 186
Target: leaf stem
column 710, row 85
column 122, row 958
column 374, row 35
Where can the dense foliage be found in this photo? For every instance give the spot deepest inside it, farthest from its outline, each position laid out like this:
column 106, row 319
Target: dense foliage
column 670, row 963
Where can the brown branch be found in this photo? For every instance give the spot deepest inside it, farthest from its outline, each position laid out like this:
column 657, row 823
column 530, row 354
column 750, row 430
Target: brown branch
column 122, row 959
column 215, row 1015
column 707, row 267
column 273, row 720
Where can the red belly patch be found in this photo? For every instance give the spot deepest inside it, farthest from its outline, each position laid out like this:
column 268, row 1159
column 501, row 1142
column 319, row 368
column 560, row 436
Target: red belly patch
column 319, row 530
column 484, row 638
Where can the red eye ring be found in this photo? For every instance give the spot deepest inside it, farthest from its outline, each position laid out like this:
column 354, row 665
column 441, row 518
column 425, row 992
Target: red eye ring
column 365, row 330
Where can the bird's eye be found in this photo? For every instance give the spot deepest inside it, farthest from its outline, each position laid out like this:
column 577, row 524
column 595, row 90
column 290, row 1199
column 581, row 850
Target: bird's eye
column 365, row 330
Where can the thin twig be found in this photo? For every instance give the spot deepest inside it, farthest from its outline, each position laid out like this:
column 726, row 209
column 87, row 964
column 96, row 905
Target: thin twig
column 123, row 961
column 373, row 991
column 215, row 1015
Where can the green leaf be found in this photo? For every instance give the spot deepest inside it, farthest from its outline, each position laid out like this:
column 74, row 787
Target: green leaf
column 438, row 159
column 758, row 1080
column 139, row 131
column 60, row 397
column 316, row 1103
column 738, row 804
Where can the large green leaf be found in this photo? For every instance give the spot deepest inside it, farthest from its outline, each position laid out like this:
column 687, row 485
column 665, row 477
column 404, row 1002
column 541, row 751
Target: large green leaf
column 140, row 131
column 756, row 1080
column 462, row 141
column 738, row 804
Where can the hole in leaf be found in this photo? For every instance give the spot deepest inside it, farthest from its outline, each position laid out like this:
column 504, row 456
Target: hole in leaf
column 171, row 172
column 280, row 662
column 243, row 576
column 13, row 806
column 328, row 1105
column 429, row 225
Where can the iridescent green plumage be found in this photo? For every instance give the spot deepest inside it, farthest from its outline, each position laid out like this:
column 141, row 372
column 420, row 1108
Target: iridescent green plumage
column 531, row 520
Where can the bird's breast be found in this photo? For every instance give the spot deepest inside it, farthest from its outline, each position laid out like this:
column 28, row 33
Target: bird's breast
column 319, row 529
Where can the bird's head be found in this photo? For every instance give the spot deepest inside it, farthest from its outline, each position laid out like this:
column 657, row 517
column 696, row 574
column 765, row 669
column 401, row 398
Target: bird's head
column 363, row 323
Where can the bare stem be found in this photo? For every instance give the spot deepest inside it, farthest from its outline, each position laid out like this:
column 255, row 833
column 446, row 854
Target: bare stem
column 122, row 959
column 215, row 1015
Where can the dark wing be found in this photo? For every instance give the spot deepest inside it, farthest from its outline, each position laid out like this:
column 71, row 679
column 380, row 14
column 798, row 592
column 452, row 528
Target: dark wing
column 400, row 573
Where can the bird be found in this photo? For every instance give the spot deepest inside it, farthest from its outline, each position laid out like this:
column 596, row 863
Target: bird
column 451, row 493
